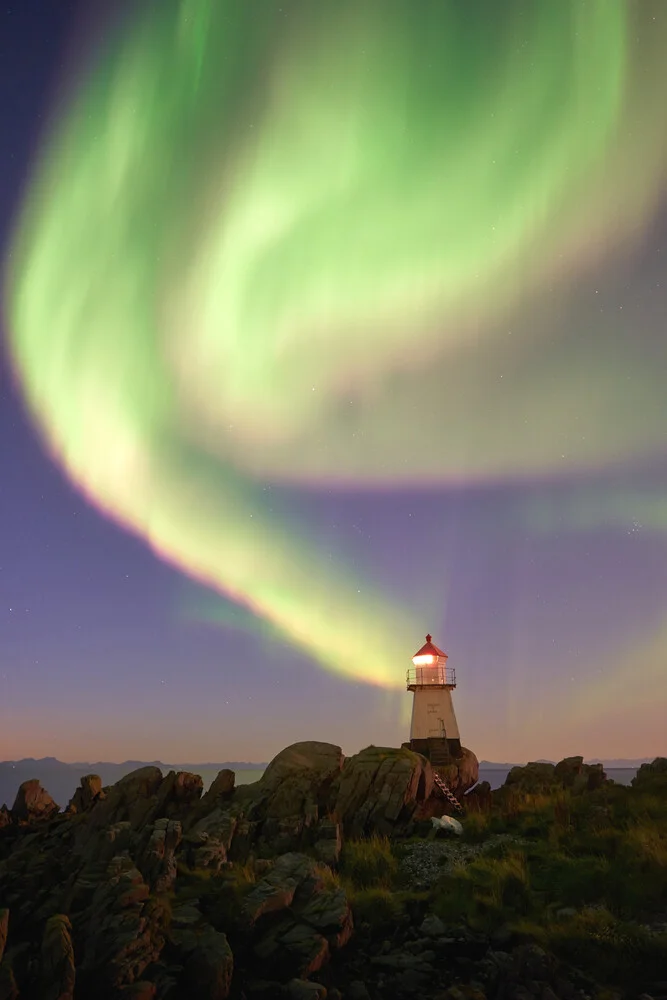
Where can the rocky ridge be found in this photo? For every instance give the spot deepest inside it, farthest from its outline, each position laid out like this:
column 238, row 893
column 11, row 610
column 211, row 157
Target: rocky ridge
column 150, row 889
column 104, row 897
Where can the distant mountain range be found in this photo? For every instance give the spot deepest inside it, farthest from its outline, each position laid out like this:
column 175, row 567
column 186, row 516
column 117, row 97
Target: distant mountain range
column 61, row 779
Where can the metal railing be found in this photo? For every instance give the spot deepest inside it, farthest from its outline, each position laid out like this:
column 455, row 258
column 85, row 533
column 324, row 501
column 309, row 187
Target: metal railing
column 430, row 676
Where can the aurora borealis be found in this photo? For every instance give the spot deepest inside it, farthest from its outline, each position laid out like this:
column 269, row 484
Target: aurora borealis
column 274, row 255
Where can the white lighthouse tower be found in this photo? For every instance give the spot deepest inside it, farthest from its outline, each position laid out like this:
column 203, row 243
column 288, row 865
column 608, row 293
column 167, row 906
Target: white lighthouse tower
column 434, row 731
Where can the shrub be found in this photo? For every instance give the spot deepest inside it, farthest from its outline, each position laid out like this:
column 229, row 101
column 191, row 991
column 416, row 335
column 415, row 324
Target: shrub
column 487, row 893
column 380, row 908
column 369, row 862
column 612, row 951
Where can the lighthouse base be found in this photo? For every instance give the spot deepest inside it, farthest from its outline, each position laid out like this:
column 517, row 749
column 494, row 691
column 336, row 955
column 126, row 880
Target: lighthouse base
column 437, row 749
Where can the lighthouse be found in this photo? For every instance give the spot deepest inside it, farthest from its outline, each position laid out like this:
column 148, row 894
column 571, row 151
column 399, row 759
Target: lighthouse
column 434, row 731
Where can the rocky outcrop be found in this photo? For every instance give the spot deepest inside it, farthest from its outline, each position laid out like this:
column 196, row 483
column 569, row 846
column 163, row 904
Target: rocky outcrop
column 379, row 790
column 209, row 965
column 57, row 968
column 124, row 927
column 299, row 921
column 571, row 772
column 653, row 774
column 87, row 794
column 462, row 773
column 132, row 891
column 33, row 804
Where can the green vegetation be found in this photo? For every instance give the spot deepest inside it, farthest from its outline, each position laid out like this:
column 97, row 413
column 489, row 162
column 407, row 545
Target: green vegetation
column 583, row 875
column 369, row 863
column 586, row 876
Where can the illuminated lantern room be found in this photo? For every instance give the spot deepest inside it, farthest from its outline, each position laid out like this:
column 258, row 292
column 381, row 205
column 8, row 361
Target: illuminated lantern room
column 431, row 666
column 434, row 731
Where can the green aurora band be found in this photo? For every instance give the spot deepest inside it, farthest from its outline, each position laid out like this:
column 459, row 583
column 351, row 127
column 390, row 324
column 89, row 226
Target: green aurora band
column 261, row 232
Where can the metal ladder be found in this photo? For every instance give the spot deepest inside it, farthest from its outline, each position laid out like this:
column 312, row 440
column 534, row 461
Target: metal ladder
column 447, row 792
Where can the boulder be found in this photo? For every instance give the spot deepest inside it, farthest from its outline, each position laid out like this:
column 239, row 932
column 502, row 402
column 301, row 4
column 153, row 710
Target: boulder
column 179, row 791
column 4, row 928
column 210, row 966
column 86, row 795
column 653, row 774
column 303, row 989
column 8, row 987
column 157, row 860
column 535, row 777
column 322, row 762
column 141, row 990
column 33, row 804
column 462, row 773
column 303, row 920
column 124, row 928
column 379, row 790
column 133, row 799
column 222, row 787
column 57, row 970
column 210, row 839
column 580, row 777
column 329, row 842
column 296, row 785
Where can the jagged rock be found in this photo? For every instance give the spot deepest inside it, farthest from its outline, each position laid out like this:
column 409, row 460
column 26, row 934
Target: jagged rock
column 141, row 990
column 33, row 804
column 329, row 912
column 158, row 859
column 303, row 989
column 462, row 773
column 329, row 843
column 210, row 965
column 133, row 799
column 57, row 969
column 8, row 987
column 222, row 787
column 318, row 763
column 180, row 790
column 86, row 795
column 357, row 990
column 210, row 839
column 533, row 778
column 571, row 772
column 654, row 773
column 4, row 928
column 309, row 919
column 480, row 796
column 294, row 792
column 125, row 928
column 5, row 817
column 432, row 926
column 269, row 897
column 379, row 790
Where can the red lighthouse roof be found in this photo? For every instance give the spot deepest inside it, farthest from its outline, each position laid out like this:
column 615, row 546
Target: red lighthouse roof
column 430, row 649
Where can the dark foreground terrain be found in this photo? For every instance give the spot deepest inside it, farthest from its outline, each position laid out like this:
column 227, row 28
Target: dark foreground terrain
column 327, row 878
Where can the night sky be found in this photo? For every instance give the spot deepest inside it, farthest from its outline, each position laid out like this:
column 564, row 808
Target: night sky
column 325, row 326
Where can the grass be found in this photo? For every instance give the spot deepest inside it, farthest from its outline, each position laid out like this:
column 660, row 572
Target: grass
column 369, row 863
column 591, row 871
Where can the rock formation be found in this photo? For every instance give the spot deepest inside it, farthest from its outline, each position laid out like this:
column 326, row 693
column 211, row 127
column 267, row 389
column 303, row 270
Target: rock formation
column 131, row 892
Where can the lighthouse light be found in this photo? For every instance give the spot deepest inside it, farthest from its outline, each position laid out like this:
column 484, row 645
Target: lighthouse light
column 423, row 661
